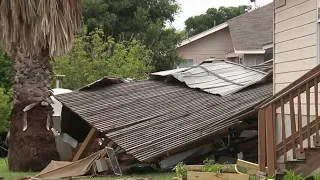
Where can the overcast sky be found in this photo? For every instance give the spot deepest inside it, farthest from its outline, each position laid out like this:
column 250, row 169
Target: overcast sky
column 194, row 7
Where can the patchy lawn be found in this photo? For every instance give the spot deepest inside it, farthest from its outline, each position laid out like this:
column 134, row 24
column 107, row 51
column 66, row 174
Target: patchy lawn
column 12, row 176
column 158, row 176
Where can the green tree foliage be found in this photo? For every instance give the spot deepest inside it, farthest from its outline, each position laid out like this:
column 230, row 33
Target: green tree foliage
column 93, row 57
column 6, row 72
column 6, row 80
column 203, row 22
column 143, row 20
column 5, row 109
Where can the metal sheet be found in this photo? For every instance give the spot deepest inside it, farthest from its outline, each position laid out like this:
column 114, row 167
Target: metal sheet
column 168, row 72
column 220, row 76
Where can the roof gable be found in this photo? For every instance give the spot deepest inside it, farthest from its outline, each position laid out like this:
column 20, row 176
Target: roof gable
column 203, row 34
column 249, row 31
column 252, row 30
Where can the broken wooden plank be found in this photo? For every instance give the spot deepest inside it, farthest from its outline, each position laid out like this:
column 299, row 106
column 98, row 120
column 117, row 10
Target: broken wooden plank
column 109, row 145
column 105, row 142
column 195, row 167
column 224, row 168
column 193, row 175
column 86, row 144
column 252, row 168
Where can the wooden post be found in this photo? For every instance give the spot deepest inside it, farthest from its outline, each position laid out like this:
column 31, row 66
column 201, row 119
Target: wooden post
column 284, row 136
column 316, row 138
column 274, row 118
column 293, row 124
column 86, row 144
column 316, row 106
column 308, row 114
column 271, row 154
column 262, row 140
column 300, row 122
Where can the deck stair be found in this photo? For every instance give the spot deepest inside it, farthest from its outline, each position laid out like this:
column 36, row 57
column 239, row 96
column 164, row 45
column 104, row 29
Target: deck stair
column 289, row 128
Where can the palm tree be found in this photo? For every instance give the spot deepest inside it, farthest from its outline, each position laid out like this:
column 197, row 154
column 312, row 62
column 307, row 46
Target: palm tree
column 33, row 32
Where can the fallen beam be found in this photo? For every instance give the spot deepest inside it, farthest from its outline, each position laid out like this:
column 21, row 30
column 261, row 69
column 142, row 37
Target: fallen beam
column 86, row 144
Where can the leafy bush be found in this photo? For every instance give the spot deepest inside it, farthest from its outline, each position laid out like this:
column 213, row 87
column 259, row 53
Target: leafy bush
column 242, row 170
column 210, row 166
column 5, row 109
column 94, row 56
column 290, row 175
column 181, row 170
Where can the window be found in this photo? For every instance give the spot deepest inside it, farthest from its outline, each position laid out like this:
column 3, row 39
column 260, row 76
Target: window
column 185, row 63
column 279, row 3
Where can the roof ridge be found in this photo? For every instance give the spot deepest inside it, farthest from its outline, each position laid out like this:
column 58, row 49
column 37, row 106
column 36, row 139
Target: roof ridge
column 252, row 11
column 204, row 34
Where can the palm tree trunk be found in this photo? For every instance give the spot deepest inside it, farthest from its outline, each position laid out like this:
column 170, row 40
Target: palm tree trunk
column 31, row 142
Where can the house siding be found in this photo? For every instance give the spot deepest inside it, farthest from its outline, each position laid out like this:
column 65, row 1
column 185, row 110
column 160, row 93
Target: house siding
column 295, row 53
column 295, row 41
column 213, row 45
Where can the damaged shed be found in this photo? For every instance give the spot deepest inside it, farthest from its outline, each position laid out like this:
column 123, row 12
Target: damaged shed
column 164, row 115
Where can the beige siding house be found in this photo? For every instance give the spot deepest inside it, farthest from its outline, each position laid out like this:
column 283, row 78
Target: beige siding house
column 241, row 39
column 289, row 133
column 213, row 45
column 295, row 40
column 296, row 51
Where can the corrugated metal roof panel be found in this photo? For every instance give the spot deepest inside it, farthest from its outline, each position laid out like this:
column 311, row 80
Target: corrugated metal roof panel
column 266, row 66
column 168, row 72
column 148, row 118
column 217, row 76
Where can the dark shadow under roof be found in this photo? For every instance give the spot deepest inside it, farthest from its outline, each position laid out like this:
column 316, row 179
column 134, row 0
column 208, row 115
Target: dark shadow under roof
column 149, row 118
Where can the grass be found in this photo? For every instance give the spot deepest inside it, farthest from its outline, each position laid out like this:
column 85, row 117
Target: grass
column 9, row 175
column 158, row 176
column 12, row 176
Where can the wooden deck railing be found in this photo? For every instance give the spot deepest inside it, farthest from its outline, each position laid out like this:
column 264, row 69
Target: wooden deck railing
column 273, row 114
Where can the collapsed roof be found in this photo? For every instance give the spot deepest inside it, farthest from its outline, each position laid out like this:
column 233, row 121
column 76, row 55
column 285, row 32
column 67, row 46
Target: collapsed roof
column 152, row 117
